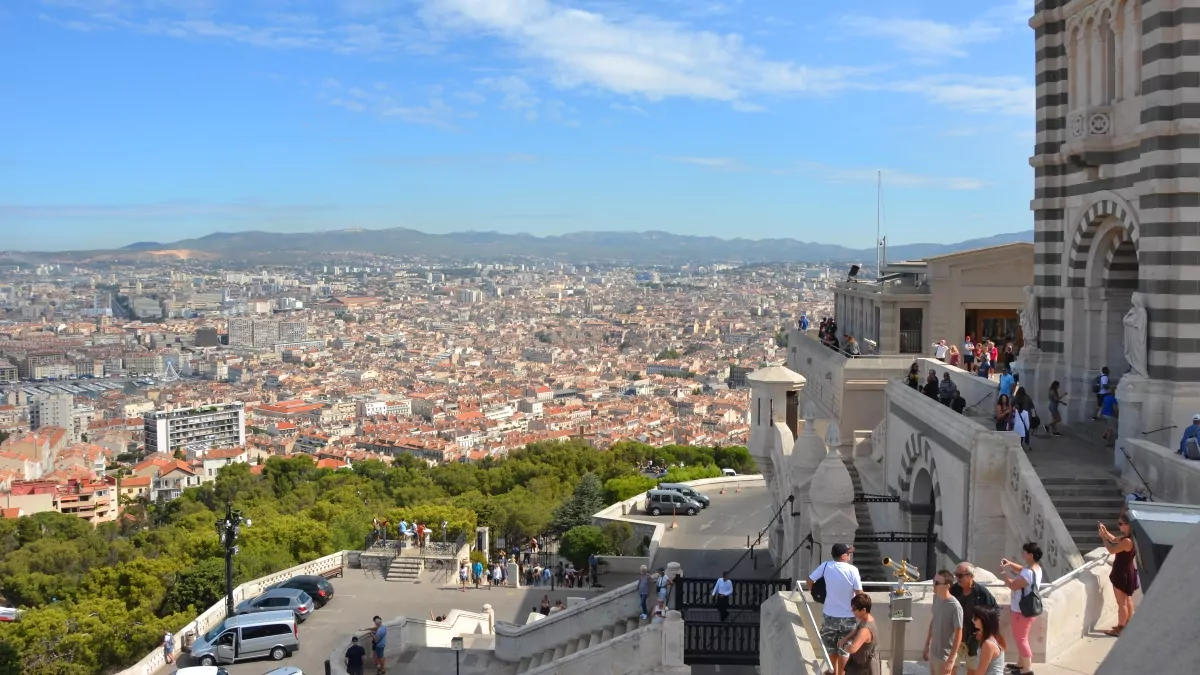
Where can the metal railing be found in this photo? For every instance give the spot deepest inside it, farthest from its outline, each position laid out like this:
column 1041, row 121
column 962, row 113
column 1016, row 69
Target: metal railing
column 1062, row 581
column 812, row 621
column 910, row 342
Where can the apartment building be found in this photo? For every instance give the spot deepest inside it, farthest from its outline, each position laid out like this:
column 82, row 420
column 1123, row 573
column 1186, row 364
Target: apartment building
column 56, row 410
column 192, row 429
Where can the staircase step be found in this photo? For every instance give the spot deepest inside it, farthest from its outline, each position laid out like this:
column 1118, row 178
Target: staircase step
column 559, row 652
column 631, row 625
column 1087, row 502
column 523, row 665
column 618, row 629
column 1047, row 482
column 594, row 639
column 607, row 633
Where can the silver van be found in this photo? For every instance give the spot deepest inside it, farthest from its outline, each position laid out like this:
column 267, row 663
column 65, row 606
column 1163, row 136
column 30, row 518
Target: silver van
column 687, row 491
column 249, row 636
column 659, row 502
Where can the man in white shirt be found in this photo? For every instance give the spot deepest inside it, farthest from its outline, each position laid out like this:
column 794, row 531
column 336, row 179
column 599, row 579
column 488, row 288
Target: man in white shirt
column 940, row 350
column 723, row 590
column 842, row 582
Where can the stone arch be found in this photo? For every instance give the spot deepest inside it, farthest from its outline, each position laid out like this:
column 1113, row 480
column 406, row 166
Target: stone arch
column 918, row 470
column 1107, row 206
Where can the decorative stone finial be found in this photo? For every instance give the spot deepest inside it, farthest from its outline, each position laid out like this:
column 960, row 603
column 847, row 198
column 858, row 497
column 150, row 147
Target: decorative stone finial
column 833, row 436
column 810, row 413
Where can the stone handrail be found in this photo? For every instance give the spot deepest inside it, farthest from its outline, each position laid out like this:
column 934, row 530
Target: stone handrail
column 980, row 393
column 1029, row 511
column 214, row 615
column 516, row 642
column 404, row 633
column 1170, row 477
column 645, row 650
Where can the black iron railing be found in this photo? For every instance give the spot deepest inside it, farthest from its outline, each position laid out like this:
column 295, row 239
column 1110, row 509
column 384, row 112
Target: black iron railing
column 720, row 643
column 747, row 594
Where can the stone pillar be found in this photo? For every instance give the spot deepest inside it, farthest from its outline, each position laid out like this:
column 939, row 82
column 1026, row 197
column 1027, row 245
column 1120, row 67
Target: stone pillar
column 1095, row 47
column 674, row 570
column 483, row 542
column 1131, row 52
column 807, row 454
column 832, row 495
column 672, row 639
column 491, row 615
column 514, row 574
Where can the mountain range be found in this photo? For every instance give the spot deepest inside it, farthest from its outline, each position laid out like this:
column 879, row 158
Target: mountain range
column 651, row 247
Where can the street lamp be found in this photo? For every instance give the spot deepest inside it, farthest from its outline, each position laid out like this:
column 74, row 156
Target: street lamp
column 444, row 524
column 456, row 644
column 228, row 529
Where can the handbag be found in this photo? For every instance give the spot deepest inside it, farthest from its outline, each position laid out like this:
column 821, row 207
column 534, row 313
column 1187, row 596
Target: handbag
column 818, row 588
column 1031, row 601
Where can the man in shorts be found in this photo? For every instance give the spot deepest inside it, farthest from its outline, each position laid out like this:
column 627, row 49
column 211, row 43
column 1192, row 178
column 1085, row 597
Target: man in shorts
column 842, row 581
column 378, row 642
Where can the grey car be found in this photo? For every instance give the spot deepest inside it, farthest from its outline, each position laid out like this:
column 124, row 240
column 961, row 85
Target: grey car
column 278, row 599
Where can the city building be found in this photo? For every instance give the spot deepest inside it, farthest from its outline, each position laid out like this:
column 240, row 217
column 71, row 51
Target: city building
column 57, row 410
column 195, row 429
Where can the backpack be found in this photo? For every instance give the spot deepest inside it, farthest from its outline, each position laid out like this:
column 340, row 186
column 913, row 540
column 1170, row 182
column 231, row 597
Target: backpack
column 1191, row 449
column 1096, row 384
column 818, row 588
column 1031, row 601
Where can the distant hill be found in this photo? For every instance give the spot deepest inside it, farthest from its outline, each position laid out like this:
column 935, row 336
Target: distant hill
column 651, row 247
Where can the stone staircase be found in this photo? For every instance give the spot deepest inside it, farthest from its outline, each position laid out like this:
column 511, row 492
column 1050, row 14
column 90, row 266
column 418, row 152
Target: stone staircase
column 867, row 557
column 593, row 639
column 1081, row 502
column 404, row 569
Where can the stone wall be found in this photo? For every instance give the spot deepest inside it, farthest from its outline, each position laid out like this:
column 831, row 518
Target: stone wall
column 787, row 639
column 514, row 643
column 1170, row 477
column 405, row 633
column 657, row 648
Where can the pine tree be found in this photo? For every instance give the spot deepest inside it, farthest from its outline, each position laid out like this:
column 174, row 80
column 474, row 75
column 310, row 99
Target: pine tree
column 587, row 500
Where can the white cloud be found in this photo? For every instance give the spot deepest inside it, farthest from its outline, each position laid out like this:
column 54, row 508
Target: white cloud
column 923, row 37
column 382, row 101
column 717, row 163
column 891, row 177
column 449, row 160
column 632, row 109
column 168, row 209
column 1002, row 95
column 635, row 55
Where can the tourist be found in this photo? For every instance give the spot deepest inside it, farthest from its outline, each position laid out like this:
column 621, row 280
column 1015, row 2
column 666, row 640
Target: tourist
column 660, row 611
column 804, row 322
column 1100, row 389
column 497, row 575
column 1023, row 580
column 959, row 404
column 1010, row 355
column 1057, row 399
column 842, row 581
column 722, row 591
column 985, row 362
column 1189, row 434
column 945, row 627
column 985, row 622
column 378, row 643
column 354, row 657
column 477, row 573
column 545, row 606
column 970, row 595
column 913, row 379
column 940, row 350
column 1004, row 413
column 1007, row 382
column 547, row 577
column 954, row 357
column 1110, row 411
column 662, row 584
column 560, row 607
column 993, row 353
column 931, row 385
column 168, row 645
column 947, row 390
column 1124, row 575
column 968, row 354
column 594, row 567
column 1021, row 424
column 852, row 348
column 643, row 589
column 463, row 573
column 858, row 648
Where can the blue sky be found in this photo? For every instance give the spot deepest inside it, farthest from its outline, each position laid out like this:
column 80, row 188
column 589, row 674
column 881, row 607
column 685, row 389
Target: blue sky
column 134, row 120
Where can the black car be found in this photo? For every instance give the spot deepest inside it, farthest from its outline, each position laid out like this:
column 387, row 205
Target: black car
column 316, row 586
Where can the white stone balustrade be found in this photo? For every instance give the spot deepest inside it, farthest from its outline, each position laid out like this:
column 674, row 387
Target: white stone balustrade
column 1170, row 477
column 514, row 643
column 657, row 648
column 1030, row 512
column 405, row 633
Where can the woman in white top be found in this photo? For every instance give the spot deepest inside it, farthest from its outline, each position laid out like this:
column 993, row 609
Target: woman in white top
column 659, row 611
column 1021, row 580
column 1020, row 423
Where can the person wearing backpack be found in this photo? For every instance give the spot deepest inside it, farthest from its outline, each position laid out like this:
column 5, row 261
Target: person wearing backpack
column 1189, row 434
column 1026, row 606
column 834, row 585
column 1100, row 389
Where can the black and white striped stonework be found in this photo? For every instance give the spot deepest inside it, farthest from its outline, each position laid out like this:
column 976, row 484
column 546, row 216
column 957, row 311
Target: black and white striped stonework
column 1137, row 197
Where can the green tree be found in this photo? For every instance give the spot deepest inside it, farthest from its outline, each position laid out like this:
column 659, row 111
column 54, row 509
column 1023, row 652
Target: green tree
column 578, row 509
column 10, row 659
column 197, row 588
column 625, row 487
column 618, row 535
column 582, row 541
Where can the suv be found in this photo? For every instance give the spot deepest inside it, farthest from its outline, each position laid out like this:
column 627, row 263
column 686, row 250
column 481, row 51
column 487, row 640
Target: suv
column 317, row 587
column 686, row 491
column 278, row 599
column 659, row 502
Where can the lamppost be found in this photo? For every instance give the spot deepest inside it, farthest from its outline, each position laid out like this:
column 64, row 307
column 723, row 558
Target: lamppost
column 444, row 524
column 456, row 644
column 228, row 530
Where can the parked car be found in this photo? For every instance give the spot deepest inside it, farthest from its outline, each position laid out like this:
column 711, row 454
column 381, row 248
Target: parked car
column 252, row 636
column 279, row 598
column 728, row 472
column 285, row 670
column 9, row 614
column 317, row 587
column 202, row 670
column 687, row 491
column 659, row 502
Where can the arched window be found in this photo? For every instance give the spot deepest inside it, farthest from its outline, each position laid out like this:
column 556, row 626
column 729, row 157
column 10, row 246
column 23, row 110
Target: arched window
column 1108, row 38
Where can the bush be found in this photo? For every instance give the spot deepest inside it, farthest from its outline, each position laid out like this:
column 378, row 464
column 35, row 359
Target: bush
column 582, row 541
column 478, row 557
column 618, row 534
column 624, row 487
column 677, row 475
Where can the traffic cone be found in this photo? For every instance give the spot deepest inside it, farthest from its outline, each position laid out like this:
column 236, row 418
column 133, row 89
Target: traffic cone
column 739, row 488
column 674, row 520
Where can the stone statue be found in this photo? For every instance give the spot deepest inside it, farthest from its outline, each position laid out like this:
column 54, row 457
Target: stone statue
column 1029, row 318
column 1135, row 336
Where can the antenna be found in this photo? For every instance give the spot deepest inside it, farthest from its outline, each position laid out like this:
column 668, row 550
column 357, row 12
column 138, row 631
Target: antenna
column 878, row 210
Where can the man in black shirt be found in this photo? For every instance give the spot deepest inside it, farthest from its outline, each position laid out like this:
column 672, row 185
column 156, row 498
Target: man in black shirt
column 970, row 595
column 354, row 657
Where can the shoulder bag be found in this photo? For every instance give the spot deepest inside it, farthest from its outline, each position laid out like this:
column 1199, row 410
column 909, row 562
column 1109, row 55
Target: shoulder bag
column 1031, row 600
column 818, row 587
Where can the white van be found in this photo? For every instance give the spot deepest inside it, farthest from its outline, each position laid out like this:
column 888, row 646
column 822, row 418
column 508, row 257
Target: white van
column 249, row 636
column 728, row 472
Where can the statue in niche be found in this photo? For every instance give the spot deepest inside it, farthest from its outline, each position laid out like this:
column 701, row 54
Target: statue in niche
column 1135, row 336
column 1029, row 318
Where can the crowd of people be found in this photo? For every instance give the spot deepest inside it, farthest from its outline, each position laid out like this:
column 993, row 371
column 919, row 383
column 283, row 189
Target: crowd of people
column 964, row 628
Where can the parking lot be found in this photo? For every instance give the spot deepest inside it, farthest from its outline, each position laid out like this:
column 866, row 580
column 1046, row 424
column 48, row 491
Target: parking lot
column 358, row 597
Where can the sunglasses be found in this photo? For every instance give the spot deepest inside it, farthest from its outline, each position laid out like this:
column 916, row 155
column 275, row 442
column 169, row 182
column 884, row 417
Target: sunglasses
column 962, row 575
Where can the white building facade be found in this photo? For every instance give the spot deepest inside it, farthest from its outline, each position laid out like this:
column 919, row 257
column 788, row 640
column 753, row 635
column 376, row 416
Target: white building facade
column 195, row 429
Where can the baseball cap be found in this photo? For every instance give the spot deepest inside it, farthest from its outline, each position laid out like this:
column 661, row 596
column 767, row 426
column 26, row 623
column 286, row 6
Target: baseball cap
column 840, row 550
column 1196, row 417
